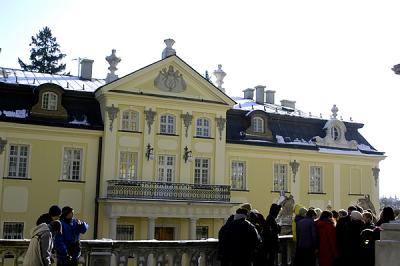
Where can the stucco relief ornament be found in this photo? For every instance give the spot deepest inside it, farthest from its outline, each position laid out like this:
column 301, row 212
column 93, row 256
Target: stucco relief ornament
column 149, row 116
column 375, row 173
column 112, row 112
column 3, row 144
column 187, row 121
column 170, row 80
column 295, row 168
column 221, row 125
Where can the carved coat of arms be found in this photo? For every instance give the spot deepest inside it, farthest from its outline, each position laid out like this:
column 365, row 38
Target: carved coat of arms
column 170, row 80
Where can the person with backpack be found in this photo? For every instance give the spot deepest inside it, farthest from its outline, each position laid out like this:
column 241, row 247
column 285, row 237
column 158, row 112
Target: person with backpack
column 68, row 244
column 41, row 244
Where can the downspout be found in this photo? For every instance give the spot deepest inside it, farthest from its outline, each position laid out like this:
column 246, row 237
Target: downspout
column 96, row 204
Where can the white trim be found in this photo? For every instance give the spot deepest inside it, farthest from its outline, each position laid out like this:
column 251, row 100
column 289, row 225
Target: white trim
column 167, row 123
column 130, row 109
column 322, row 178
column 83, row 162
column 49, row 93
column 254, row 125
column 7, row 158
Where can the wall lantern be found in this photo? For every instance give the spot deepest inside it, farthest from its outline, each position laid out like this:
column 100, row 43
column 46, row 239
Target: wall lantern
column 149, row 152
column 187, row 155
column 295, row 168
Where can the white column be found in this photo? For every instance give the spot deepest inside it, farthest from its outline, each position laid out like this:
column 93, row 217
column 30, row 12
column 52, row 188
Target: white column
column 151, row 224
column 192, row 228
column 112, row 227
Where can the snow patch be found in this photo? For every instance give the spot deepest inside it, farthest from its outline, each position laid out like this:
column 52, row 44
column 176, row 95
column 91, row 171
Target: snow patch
column 364, row 147
column 78, row 122
column 16, row 114
column 280, row 139
column 344, row 152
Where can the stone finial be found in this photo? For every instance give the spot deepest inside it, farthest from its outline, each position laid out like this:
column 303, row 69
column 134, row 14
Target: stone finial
column 168, row 51
column 113, row 60
column 334, row 110
column 220, row 75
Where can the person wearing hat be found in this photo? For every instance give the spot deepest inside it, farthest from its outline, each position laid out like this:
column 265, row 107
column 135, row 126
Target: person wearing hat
column 53, row 214
column 41, row 244
column 68, row 244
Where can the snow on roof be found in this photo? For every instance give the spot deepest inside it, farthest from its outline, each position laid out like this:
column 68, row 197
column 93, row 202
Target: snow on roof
column 250, row 105
column 345, row 152
column 17, row 76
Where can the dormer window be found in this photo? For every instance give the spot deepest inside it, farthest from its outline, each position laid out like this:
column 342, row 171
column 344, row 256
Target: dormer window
column 49, row 101
column 335, row 133
column 257, row 124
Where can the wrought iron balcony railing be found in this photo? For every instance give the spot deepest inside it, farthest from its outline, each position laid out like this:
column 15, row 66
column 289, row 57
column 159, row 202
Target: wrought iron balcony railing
column 130, row 189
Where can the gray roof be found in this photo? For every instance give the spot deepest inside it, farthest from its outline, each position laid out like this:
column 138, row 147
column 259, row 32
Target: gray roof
column 17, row 76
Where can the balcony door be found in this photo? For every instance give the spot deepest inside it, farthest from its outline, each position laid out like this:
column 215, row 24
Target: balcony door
column 165, row 233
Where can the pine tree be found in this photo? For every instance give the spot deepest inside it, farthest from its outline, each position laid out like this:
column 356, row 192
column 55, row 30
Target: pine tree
column 45, row 54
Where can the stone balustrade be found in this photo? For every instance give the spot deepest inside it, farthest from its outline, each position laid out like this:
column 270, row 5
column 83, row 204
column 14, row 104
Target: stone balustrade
column 133, row 189
column 140, row 253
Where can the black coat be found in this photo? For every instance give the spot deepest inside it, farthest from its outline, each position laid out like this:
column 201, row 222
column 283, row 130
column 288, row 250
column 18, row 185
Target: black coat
column 44, row 218
column 239, row 241
column 270, row 235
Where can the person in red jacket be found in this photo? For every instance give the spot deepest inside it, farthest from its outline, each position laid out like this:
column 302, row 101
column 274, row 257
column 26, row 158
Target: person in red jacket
column 327, row 239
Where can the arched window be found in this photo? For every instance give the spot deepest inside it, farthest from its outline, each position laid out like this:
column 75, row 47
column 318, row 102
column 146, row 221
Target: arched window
column 335, row 133
column 203, row 127
column 49, row 101
column 167, row 124
column 257, row 124
column 130, row 120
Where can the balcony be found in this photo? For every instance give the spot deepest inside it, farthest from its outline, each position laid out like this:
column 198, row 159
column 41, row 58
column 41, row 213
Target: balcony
column 131, row 189
column 144, row 253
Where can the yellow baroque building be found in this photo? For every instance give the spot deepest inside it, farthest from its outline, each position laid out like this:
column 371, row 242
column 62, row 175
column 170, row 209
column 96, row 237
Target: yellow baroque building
column 162, row 153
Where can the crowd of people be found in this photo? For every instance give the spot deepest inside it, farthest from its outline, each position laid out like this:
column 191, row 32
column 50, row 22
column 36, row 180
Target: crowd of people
column 324, row 238
column 56, row 231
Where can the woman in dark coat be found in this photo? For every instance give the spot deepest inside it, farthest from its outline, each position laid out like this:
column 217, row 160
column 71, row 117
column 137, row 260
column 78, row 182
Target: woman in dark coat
column 270, row 234
column 327, row 239
column 387, row 215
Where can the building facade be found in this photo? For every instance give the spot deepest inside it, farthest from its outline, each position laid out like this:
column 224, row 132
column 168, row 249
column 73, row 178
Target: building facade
column 162, row 153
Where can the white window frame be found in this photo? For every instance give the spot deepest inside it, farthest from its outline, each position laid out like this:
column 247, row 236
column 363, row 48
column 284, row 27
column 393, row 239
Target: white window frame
column 257, row 124
column 238, row 175
column 201, row 173
column 17, row 235
column 169, row 125
column 69, row 175
column 125, row 226
column 163, row 168
column 131, row 122
column 203, row 130
column 49, row 103
column 313, row 188
column 132, row 174
column 280, row 177
column 18, row 161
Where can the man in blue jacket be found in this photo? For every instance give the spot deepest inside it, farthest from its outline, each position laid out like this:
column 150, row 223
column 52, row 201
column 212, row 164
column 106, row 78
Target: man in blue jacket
column 68, row 244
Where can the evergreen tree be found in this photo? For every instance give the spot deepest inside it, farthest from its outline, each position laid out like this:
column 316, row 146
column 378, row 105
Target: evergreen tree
column 45, row 54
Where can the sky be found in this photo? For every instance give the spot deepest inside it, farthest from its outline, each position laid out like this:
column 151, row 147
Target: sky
column 315, row 52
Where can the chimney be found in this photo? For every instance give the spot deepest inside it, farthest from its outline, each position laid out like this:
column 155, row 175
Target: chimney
column 270, row 97
column 287, row 103
column 249, row 93
column 168, row 51
column 86, row 69
column 260, row 94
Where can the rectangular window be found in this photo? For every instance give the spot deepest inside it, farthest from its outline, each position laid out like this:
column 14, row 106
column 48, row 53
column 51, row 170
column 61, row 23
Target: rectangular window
column 166, row 168
column 316, row 179
column 167, row 124
column 238, row 175
column 128, row 165
column 201, row 232
column 201, row 171
column 18, row 161
column 280, row 177
column 130, row 120
column 125, row 232
column 72, row 164
column 203, row 127
column 13, row 230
